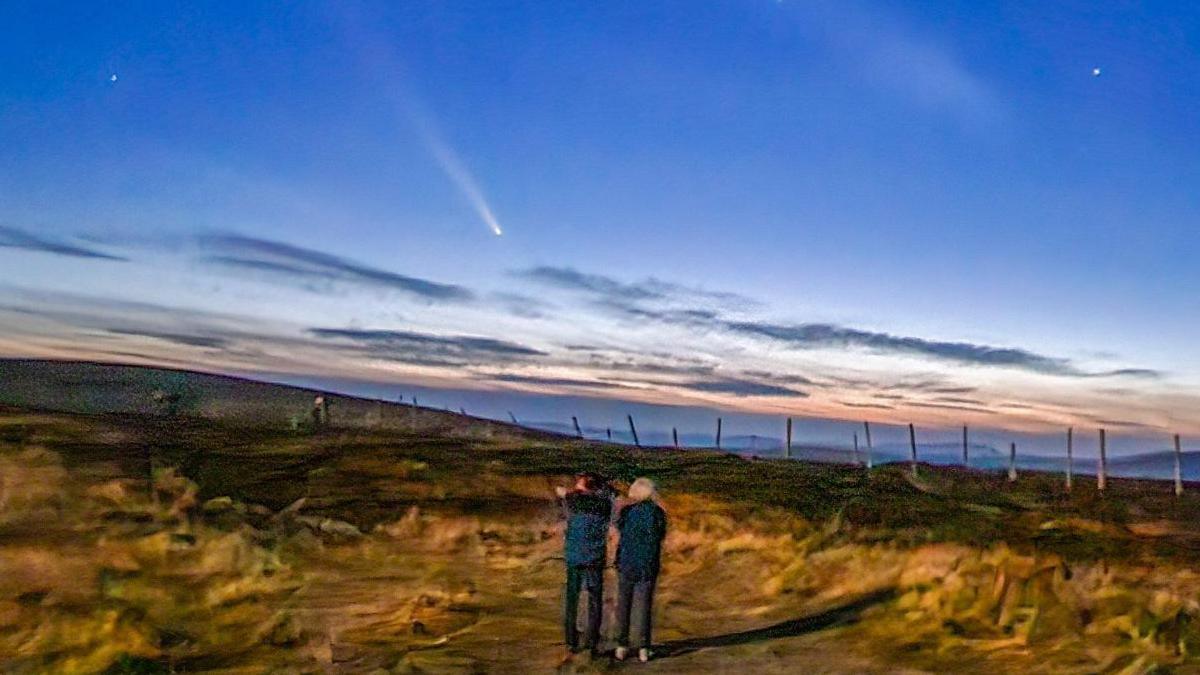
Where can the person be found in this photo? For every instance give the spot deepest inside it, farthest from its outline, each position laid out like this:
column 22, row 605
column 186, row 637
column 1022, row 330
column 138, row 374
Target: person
column 588, row 510
column 642, row 524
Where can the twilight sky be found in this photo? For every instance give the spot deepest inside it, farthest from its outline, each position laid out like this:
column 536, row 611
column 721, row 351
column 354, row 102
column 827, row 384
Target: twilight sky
column 927, row 212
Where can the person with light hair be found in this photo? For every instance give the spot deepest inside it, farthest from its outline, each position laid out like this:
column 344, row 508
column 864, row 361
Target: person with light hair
column 642, row 524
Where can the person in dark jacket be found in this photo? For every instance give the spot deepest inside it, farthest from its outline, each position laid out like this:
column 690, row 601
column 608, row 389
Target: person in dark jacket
column 588, row 510
column 643, row 525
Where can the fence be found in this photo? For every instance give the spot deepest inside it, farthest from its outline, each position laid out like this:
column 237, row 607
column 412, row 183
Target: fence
column 862, row 450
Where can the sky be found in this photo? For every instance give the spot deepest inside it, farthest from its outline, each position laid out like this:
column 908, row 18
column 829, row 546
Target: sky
column 929, row 212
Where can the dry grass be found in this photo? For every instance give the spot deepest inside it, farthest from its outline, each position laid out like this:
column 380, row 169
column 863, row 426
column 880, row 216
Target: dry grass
column 458, row 563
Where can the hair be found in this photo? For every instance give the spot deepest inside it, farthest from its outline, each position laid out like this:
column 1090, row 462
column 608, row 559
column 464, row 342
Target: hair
column 592, row 481
column 641, row 490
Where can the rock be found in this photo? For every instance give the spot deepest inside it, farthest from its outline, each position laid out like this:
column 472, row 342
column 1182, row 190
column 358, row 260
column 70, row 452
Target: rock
column 218, row 505
column 293, row 508
column 311, row 522
column 340, row 528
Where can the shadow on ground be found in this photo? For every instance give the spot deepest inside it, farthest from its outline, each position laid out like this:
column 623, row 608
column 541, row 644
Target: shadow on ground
column 839, row 616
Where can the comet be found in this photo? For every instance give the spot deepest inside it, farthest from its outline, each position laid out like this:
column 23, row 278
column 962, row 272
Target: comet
column 458, row 174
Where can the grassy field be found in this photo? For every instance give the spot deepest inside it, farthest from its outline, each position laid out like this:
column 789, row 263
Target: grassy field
column 225, row 536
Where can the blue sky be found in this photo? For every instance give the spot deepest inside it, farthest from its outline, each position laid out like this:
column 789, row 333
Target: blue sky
column 914, row 211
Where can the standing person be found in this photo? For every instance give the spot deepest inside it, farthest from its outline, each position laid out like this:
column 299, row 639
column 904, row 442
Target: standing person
column 320, row 412
column 588, row 509
column 643, row 525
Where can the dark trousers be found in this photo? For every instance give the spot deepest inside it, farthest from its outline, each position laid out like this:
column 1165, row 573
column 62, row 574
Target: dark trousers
column 627, row 589
column 578, row 578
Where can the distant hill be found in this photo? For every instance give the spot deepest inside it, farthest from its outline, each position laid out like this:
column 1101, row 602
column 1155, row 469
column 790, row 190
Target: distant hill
column 1157, row 465
column 83, row 387
column 94, row 388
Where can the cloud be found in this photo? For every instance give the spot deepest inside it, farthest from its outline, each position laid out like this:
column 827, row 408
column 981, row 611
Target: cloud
column 624, row 293
column 782, row 379
column 306, row 265
column 948, row 406
column 1128, row 424
column 656, row 300
column 428, row 349
column 597, row 284
column 959, row 399
column 873, row 406
column 1145, row 373
column 741, row 388
column 824, row 335
column 11, row 237
column 521, row 305
column 206, row 341
column 555, row 381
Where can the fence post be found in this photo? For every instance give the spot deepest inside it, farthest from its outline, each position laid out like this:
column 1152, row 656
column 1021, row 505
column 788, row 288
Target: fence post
column 867, row 430
column 1012, row 463
column 856, row 458
column 633, row 430
column 1070, row 455
column 1102, row 478
column 675, row 437
column 1178, row 468
column 788, row 447
column 912, row 442
column 966, row 457
column 513, row 417
column 578, row 431
column 718, row 433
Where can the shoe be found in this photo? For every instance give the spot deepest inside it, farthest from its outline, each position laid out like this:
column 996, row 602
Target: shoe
column 643, row 655
column 621, row 653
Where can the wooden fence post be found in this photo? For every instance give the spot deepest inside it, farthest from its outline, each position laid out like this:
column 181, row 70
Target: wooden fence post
column 966, row 457
column 912, row 442
column 867, row 430
column 788, row 447
column 857, row 460
column 1012, row 463
column 1178, row 467
column 608, row 432
column 1102, row 478
column 633, row 430
column 513, row 417
column 718, row 433
column 675, row 437
column 1070, row 455
column 578, row 431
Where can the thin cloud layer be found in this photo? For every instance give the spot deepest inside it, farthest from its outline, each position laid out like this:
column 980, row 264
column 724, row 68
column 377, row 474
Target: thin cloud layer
column 11, row 237
column 184, row 339
column 742, row 388
column 643, row 300
column 823, row 335
column 555, row 381
column 429, row 349
column 307, row 266
column 607, row 288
